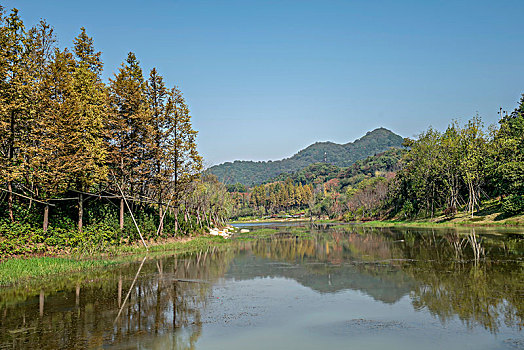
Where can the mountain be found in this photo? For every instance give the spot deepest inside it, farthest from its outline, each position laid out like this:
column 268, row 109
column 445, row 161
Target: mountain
column 343, row 155
column 377, row 165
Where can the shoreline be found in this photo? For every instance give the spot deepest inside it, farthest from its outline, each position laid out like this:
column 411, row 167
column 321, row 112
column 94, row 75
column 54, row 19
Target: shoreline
column 22, row 269
column 19, row 270
column 460, row 220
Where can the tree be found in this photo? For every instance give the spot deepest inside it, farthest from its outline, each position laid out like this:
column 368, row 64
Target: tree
column 450, row 167
column 508, row 155
column 15, row 100
column 127, row 127
column 87, row 149
column 159, row 129
column 474, row 151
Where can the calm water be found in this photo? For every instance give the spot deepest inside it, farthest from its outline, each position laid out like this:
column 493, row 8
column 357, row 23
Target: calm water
column 336, row 288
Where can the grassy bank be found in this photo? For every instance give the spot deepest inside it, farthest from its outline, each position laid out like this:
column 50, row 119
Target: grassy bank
column 18, row 270
column 488, row 216
column 480, row 219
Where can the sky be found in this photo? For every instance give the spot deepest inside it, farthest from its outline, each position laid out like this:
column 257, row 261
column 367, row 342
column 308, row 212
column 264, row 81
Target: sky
column 265, row 78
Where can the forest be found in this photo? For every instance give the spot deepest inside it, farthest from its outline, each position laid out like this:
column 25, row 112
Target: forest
column 86, row 164
column 467, row 168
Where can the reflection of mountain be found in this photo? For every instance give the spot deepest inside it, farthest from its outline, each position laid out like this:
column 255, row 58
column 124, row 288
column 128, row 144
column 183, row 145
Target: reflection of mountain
column 385, row 283
column 437, row 268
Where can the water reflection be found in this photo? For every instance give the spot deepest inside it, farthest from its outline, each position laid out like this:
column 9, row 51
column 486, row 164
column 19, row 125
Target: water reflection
column 477, row 278
column 167, row 296
column 473, row 276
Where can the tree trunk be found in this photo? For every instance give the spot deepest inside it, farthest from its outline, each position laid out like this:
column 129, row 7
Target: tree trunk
column 198, row 218
column 161, row 224
column 176, row 221
column 46, row 217
column 121, row 213
column 80, row 212
column 10, row 201
column 11, row 156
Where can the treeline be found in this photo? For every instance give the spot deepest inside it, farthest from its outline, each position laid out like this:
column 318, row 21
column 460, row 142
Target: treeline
column 377, row 165
column 270, row 199
column 67, row 139
column 461, row 167
column 466, row 168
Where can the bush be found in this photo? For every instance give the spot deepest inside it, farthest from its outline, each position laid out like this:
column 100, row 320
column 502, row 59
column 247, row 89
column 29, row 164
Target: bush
column 513, row 204
column 349, row 216
column 22, row 239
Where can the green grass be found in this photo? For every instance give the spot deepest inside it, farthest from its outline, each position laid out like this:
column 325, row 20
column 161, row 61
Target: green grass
column 427, row 223
column 255, row 234
column 269, row 232
column 18, row 270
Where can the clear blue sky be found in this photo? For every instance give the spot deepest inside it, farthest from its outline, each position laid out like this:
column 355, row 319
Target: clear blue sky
column 267, row 78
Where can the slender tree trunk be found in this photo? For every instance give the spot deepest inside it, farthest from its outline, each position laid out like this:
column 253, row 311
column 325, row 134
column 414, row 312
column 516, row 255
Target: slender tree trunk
column 121, row 213
column 161, row 228
column 198, row 218
column 80, row 212
column 176, row 221
column 10, row 200
column 11, row 156
column 472, row 198
column 46, row 217
column 122, row 209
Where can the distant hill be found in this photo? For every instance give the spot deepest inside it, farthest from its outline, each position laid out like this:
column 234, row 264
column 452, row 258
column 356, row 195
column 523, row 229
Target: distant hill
column 377, row 165
column 250, row 173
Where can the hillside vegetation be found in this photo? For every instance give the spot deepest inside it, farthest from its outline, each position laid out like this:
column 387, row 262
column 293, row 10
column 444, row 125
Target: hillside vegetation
column 342, row 155
column 467, row 173
column 296, row 192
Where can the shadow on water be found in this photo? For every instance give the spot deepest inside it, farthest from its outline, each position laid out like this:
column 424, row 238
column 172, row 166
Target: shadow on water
column 475, row 276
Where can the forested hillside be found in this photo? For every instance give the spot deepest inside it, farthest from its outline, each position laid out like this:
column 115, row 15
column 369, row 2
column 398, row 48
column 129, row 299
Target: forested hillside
column 250, row 173
column 297, row 191
column 376, row 165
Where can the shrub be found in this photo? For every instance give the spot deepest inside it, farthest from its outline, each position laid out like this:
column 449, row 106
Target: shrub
column 513, row 204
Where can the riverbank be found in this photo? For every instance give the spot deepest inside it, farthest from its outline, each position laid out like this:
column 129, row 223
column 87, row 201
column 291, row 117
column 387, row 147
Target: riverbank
column 483, row 218
column 19, row 270
column 480, row 219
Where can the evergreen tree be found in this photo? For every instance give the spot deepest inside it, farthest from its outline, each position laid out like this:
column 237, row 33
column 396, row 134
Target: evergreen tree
column 157, row 100
column 15, row 101
column 87, row 149
column 127, row 127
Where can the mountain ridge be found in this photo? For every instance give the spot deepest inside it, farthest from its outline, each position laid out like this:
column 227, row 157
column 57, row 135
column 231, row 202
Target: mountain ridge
column 255, row 172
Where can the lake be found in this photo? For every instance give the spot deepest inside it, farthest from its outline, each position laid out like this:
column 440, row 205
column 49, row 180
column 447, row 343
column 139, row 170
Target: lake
column 329, row 286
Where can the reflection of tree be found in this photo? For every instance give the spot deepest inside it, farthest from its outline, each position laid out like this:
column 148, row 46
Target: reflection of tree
column 165, row 301
column 477, row 278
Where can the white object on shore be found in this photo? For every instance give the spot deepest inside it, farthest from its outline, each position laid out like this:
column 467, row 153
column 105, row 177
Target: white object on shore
column 224, row 232
column 244, row 230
